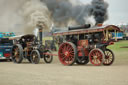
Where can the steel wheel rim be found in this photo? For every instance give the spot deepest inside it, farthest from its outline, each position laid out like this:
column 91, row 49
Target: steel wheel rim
column 96, row 57
column 66, row 54
column 35, row 57
column 16, row 54
column 109, row 57
column 48, row 57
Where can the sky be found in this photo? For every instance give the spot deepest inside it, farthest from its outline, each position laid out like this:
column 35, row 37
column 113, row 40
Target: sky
column 118, row 11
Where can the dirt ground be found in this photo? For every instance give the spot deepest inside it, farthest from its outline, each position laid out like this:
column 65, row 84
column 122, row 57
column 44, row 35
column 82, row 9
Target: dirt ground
column 57, row 74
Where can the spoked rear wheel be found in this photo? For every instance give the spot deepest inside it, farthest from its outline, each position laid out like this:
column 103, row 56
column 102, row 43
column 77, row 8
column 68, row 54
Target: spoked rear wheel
column 96, row 57
column 48, row 57
column 17, row 53
column 35, row 57
column 67, row 53
column 109, row 57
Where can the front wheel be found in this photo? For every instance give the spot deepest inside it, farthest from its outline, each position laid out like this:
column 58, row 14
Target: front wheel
column 109, row 57
column 96, row 56
column 35, row 57
column 48, row 57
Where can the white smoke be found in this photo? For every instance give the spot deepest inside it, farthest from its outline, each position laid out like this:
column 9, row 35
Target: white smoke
column 34, row 11
column 10, row 19
column 21, row 16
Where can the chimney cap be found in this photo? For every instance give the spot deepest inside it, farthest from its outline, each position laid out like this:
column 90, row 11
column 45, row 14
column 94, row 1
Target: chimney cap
column 99, row 24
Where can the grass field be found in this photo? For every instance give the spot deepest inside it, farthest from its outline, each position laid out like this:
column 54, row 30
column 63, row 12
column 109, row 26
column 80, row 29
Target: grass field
column 121, row 54
column 117, row 46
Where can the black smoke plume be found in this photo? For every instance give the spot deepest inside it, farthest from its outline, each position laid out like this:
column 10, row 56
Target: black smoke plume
column 99, row 10
column 21, row 16
column 63, row 11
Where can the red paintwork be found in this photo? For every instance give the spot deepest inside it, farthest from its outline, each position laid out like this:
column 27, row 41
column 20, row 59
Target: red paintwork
column 7, row 55
column 82, row 45
column 96, row 57
column 111, row 43
column 66, row 54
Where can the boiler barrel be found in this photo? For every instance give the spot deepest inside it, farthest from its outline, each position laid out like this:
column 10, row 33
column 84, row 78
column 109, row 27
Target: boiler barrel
column 80, row 27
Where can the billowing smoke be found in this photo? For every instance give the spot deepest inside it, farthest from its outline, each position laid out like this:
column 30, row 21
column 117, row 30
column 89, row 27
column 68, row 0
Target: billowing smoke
column 33, row 12
column 64, row 11
column 10, row 18
column 21, row 16
column 99, row 11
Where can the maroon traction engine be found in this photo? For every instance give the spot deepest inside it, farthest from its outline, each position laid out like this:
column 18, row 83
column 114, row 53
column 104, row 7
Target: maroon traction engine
column 83, row 44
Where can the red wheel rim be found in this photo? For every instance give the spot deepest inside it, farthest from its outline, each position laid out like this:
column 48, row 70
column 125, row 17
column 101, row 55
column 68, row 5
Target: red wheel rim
column 66, row 54
column 96, row 57
column 109, row 57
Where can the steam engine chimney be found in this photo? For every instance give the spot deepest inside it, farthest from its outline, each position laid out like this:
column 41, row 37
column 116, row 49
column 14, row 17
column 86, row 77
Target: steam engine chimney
column 99, row 24
column 40, row 28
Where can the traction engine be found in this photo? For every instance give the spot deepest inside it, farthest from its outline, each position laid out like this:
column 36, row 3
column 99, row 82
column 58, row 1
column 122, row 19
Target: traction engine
column 83, row 44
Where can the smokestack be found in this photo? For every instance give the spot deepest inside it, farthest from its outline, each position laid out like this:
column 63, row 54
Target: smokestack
column 40, row 28
column 41, row 34
column 99, row 24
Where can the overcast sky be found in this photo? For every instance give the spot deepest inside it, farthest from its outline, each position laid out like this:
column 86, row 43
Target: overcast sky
column 118, row 11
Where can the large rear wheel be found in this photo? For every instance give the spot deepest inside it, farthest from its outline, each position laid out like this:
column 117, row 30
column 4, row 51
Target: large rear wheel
column 67, row 53
column 109, row 57
column 96, row 56
column 17, row 53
